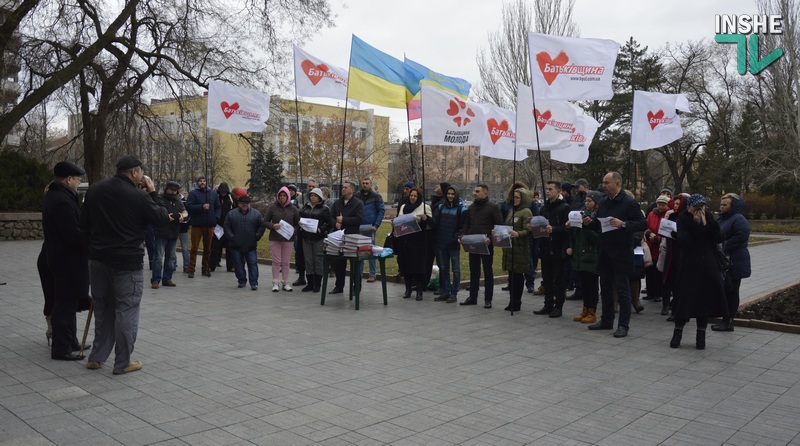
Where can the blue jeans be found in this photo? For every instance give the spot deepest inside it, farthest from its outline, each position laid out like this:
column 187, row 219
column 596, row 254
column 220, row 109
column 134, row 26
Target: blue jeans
column 373, row 264
column 239, row 260
column 164, row 258
column 184, row 238
column 475, row 263
column 446, row 258
column 609, row 279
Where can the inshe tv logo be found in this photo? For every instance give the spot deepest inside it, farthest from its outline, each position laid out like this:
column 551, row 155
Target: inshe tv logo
column 735, row 29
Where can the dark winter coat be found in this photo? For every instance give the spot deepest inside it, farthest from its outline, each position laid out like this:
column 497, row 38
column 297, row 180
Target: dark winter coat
column 412, row 249
column 66, row 256
column 557, row 214
column 736, row 233
column 518, row 219
column 113, row 221
column 699, row 280
column 448, row 220
column 481, row 218
column 374, row 208
column 175, row 209
column 226, row 202
column 244, row 230
column 321, row 213
column 352, row 214
column 288, row 213
column 673, row 246
column 204, row 218
column 584, row 250
column 616, row 247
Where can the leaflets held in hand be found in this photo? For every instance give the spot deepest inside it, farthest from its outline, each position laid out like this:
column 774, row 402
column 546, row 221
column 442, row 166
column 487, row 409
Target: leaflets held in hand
column 309, row 225
column 337, row 235
column 576, row 219
column 406, row 224
column 218, row 231
column 605, row 224
column 365, row 230
column 475, row 244
column 539, row 225
column 286, row 230
column 667, row 227
column 502, row 236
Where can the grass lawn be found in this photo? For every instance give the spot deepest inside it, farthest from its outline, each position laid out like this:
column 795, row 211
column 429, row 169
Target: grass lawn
column 391, row 265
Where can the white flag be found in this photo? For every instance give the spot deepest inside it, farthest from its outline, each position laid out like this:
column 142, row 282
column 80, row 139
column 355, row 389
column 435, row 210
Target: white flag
column 448, row 120
column 235, row 109
column 571, row 69
column 554, row 119
column 577, row 151
column 655, row 122
column 317, row 79
column 499, row 133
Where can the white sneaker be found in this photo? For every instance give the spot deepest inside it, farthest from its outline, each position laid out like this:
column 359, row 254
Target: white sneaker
column 286, row 286
column 276, row 286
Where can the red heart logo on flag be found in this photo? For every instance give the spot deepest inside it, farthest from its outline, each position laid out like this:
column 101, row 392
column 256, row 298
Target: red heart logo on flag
column 453, row 110
column 654, row 119
column 229, row 109
column 317, row 70
column 544, row 59
column 541, row 118
column 496, row 130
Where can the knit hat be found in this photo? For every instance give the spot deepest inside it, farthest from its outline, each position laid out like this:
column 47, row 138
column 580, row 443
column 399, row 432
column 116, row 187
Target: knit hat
column 581, row 182
column 239, row 192
column 695, row 199
column 667, row 190
column 201, row 177
column 409, row 184
column 292, row 187
column 595, row 196
column 663, row 199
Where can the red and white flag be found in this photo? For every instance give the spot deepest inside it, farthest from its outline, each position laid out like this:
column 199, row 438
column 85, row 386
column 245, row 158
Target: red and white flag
column 554, row 120
column 499, row 133
column 448, row 120
column 655, row 121
column 317, row 79
column 235, row 109
column 577, row 151
column 571, row 69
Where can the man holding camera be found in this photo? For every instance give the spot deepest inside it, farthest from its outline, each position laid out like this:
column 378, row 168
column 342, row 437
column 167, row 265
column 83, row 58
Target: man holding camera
column 166, row 238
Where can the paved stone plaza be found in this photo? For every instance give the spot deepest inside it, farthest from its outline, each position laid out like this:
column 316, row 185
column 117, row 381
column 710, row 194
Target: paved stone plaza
column 229, row 366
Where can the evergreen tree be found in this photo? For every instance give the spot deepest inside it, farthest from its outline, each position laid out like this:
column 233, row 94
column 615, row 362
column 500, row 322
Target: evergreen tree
column 266, row 170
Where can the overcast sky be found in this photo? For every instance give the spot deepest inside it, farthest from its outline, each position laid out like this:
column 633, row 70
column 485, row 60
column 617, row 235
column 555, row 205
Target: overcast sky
column 445, row 35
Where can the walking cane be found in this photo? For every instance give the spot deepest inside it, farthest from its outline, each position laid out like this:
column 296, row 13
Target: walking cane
column 86, row 328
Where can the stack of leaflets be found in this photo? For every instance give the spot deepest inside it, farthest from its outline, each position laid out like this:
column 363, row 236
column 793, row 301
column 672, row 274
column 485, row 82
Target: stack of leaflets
column 357, row 245
column 333, row 243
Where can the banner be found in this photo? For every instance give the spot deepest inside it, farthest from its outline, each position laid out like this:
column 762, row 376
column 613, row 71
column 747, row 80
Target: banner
column 235, row 109
column 655, row 121
column 554, row 120
column 448, row 120
column 571, row 69
column 499, row 136
column 317, row 79
column 379, row 78
column 577, row 151
column 453, row 85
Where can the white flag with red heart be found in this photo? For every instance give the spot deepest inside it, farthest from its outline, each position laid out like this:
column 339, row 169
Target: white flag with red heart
column 554, row 121
column 577, row 151
column 499, row 133
column 571, row 69
column 317, row 79
column 449, row 120
column 655, row 121
column 235, row 109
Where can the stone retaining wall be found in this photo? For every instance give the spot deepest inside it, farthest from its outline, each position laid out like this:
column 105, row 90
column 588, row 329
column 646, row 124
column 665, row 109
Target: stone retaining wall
column 21, row 226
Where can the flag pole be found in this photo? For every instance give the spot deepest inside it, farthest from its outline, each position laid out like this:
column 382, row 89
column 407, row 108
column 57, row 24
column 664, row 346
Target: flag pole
column 410, row 149
column 512, row 286
column 297, row 122
column 538, row 146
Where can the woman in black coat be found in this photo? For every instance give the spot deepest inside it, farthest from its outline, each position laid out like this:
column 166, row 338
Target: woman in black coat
column 736, row 233
column 699, row 279
column 412, row 248
column 312, row 241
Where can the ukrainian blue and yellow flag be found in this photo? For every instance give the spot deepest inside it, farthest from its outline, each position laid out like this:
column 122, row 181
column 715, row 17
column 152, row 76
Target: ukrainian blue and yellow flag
column 453, row 85
column 379, row 78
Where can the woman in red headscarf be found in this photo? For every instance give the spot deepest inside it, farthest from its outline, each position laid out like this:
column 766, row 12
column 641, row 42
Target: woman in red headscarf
column 669, row 252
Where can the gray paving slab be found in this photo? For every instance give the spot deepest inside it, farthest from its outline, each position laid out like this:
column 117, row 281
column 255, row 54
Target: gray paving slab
column 226, row 366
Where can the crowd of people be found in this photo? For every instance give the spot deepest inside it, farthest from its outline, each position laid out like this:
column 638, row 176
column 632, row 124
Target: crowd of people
column 598, row 243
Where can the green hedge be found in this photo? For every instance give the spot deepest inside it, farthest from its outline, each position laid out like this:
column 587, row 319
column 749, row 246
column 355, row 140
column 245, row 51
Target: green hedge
column 22, row 182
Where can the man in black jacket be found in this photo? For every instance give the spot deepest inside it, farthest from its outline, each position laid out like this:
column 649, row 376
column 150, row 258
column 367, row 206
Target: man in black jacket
column 621, row 217
column 226, row 203
column 66, row 258
column 113, row 221
column 347, row 214
column 552, row 250
column 481, row 218
column 205, row 212
column 166, row 238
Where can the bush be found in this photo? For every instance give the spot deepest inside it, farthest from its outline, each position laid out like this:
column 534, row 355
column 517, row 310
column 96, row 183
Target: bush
column 22, row 182
column 768, row 206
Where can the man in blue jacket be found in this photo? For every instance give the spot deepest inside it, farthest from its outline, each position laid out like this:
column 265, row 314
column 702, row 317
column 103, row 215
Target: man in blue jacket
column 204, row 212
column 374, row 211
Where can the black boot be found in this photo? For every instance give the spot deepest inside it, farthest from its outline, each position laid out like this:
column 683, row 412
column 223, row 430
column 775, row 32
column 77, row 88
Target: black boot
column 677, row 334
column 420, row 288
column 407, row 294
column 317, row 283
column 300, row 280
column 701, row 338
column 726, row 325
column 311, row 280
column 546, row 309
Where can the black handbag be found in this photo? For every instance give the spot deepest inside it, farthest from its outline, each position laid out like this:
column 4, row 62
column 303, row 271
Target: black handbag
column 723, row 261
column 389, row 242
